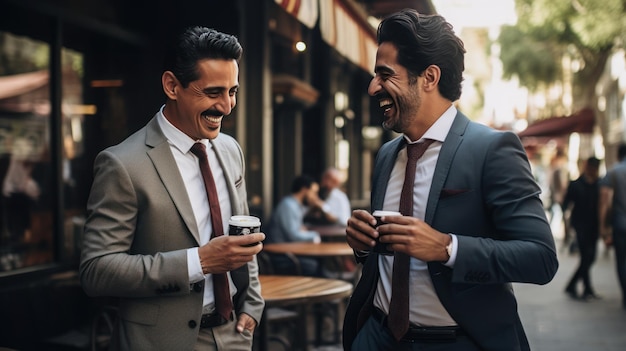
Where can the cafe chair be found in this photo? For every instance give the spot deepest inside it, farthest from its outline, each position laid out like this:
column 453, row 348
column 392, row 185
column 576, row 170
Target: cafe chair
column 102, row 327
column 281, row 321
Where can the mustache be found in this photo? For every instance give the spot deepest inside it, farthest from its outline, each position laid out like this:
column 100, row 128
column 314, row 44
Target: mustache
column 212, row 113
column 382, row 95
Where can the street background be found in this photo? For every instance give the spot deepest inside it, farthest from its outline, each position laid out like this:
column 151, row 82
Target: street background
column 555, row 322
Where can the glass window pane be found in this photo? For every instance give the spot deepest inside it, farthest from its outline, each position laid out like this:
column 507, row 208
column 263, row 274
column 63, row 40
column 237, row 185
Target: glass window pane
column 26, row 229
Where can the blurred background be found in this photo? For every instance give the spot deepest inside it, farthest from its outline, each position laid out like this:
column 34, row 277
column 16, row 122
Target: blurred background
column 78, row 76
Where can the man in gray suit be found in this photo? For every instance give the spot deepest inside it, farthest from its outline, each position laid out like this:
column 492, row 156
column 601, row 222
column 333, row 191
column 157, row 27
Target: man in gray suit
column 476, row 224
column 148, row 235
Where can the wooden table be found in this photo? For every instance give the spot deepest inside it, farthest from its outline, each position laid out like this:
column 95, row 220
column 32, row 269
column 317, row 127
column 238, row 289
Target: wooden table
column 285, row 290
column 329, row 232
column 323, row 249
column 333, row 252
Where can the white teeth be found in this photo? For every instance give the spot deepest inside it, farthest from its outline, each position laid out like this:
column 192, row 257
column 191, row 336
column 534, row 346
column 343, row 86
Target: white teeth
column 385, row 102
column 213, row 119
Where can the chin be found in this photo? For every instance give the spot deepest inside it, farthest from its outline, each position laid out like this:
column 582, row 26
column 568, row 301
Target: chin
column 212, row 134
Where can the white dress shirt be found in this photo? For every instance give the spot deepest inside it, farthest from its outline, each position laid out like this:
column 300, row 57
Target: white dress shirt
column 338, row 204
column 425, row 307
column 187, row 163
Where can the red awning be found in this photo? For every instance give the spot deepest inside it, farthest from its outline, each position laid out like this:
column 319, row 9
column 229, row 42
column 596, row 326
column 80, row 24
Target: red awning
column 579, row 122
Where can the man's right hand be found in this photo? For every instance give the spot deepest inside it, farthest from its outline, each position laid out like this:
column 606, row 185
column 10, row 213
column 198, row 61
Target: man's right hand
column 360, row 233
column 228, row 252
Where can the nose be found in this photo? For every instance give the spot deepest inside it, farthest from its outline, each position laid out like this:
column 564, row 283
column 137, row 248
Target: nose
column 226, row 104
column 374, row 87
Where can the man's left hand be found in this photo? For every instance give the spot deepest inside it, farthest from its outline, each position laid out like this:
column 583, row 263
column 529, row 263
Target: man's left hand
column 414, row 237
column 245, row 322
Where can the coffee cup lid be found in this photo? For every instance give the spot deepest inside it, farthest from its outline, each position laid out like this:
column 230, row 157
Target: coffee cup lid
column 380, row 213
column 245, row 221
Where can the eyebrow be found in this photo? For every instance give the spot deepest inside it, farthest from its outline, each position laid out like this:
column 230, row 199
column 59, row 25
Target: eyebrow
column 383, row 69
column 220, row 88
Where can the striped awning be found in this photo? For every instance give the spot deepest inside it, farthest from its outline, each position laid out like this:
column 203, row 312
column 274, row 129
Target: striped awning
column 341, row 26
column 306, row 11
column 351, row 35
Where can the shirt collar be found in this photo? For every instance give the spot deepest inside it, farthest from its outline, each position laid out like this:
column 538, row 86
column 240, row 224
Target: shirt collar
column 439, row 130
column 175, row 136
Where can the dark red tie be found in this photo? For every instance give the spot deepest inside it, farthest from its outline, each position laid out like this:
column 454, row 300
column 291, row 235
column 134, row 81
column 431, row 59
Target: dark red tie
column 223, row 302
column 398, row 320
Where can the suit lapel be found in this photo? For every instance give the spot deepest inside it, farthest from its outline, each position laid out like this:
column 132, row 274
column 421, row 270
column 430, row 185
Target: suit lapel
column 165, row 165
column 444, row 162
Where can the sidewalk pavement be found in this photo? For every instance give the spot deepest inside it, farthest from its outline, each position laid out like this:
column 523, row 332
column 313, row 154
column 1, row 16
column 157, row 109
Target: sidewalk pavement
column 555, row 322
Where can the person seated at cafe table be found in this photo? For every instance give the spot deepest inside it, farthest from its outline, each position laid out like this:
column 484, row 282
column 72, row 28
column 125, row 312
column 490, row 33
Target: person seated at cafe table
column 335, row 207
column 286, row 224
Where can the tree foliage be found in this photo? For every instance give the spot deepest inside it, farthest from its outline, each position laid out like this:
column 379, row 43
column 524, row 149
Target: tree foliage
column 586, row 30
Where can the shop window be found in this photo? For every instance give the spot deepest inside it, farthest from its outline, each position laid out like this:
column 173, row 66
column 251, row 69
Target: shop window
column 27, row 201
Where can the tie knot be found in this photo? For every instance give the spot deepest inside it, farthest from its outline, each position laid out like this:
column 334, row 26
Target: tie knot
column 199, row 150
column 416, row 150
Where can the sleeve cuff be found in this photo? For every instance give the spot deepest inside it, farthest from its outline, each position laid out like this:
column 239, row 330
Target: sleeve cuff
column 455, row 245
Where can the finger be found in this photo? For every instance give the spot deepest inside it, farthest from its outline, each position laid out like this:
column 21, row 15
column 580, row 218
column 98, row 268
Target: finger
column 359, row 240
column 364, row 216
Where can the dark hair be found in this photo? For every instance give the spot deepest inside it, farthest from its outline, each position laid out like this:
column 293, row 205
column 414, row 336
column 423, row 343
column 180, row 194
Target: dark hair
column 621, row 151
column 593, row 162
column 195, row 44
column 303, row 181
column 424, row 40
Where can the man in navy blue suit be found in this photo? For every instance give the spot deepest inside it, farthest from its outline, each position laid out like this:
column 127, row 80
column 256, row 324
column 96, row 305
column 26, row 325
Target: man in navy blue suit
column 476, row 223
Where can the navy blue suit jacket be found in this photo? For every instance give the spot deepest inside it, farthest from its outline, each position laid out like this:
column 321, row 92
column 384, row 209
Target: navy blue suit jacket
column 484, row 192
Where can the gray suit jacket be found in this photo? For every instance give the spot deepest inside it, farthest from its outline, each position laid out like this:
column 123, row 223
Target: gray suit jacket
column 139, row 226
column 482, row 191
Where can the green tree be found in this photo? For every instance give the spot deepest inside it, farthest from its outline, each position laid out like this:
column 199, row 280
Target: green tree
column 586, row 31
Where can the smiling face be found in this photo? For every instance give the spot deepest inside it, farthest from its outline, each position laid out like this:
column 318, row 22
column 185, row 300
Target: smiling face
column 201, row 106
column 398, row 95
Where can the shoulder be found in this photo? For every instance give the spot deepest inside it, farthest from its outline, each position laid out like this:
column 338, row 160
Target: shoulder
column 131, row 147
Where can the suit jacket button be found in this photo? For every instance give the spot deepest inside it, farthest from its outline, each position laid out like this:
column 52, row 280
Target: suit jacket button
column 192, row 324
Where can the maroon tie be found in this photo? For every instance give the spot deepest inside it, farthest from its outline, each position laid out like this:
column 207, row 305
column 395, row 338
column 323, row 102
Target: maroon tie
column 398, row 320
column 223, row 303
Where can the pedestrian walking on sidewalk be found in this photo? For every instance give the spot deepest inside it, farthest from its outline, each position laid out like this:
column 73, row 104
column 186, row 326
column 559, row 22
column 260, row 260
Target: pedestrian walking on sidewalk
column 583, row 196
column 613, row 226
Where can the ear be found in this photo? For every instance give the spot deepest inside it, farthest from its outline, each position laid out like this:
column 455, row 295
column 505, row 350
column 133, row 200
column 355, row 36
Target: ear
column 170, row 84
column 431, row 76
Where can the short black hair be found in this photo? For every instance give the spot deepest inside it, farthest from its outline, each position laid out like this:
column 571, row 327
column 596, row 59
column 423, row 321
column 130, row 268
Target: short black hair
column 424, row 40
column 198, row 43
column 302, row 181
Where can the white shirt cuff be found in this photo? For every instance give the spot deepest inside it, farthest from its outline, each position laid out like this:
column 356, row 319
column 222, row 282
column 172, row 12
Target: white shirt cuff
column 455, row 245
column 193, row 265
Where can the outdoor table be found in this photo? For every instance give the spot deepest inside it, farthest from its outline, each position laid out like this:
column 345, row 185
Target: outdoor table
column 329, row 232
column 334, row 252
column 323, row 249
column 285, row 290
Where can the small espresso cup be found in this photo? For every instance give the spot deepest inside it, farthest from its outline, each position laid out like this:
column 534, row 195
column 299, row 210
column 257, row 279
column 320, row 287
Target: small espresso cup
column 378, row 214
column 243, row 225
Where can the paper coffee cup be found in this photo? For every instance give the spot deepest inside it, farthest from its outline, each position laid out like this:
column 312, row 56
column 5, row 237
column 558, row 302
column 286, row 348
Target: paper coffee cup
column 380, row 247
column 243, row 225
